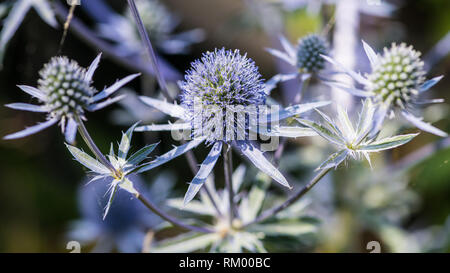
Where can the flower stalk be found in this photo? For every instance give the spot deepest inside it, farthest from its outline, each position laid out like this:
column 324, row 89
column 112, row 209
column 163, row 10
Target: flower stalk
column 227, row 168
column 148, row 45
column 91, row 144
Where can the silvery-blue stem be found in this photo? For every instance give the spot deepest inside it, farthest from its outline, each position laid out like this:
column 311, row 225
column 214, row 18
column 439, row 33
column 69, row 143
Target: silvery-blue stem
column 148, row 45
column 227, row 168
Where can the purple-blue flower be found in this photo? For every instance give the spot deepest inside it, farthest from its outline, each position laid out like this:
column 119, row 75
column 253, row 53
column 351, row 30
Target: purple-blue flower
column 223, row 101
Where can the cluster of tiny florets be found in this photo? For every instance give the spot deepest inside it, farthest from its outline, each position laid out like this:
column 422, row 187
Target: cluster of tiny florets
column 156, row 18
column 309, row 51
column 397, row 75
column 221, row 80
column 66, row 89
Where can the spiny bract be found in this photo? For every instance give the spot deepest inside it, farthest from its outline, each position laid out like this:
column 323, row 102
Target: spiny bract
column 309, row 51
column 65, row 86
column 397, row 76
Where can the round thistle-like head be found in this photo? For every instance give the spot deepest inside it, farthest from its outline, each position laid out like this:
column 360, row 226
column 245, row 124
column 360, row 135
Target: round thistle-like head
column 309, row 50
column 156, row 18
column 66, row 89
column 397, row 75
column 221, row 81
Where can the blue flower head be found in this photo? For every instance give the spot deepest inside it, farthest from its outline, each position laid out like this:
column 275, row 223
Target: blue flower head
column 220, row 80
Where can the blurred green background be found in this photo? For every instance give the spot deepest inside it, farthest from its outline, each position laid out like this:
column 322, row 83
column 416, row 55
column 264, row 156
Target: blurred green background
column 39, row 180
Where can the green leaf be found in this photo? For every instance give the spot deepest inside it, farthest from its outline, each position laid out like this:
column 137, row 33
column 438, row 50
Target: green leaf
column 87, row 160
column 387, row 143
column 142, row 154
column 125, row 143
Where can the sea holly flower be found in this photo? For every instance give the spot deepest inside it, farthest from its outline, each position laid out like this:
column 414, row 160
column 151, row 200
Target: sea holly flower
column 123, row 166
column 159, row 23
column 305, row 58
column 65, row 91
column 18, row 11
column 294, row 224
column 395, row 84
column 351, row 141
column 223, row 102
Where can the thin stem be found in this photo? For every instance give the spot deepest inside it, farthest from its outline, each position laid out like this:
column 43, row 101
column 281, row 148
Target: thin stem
column 148, row 45
column 169, row 218
column 91, row 144
column 271, row 212
column 66, row 27
column 227, row 166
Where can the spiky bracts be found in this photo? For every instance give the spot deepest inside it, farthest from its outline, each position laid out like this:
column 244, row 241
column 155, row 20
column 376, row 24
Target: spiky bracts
column 221, row 80
column 397, row 75
column 65, row 86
